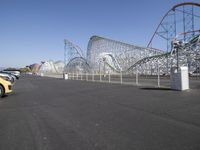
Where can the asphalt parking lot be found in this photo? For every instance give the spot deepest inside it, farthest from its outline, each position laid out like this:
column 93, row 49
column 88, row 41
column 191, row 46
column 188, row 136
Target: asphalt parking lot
column 52, row 114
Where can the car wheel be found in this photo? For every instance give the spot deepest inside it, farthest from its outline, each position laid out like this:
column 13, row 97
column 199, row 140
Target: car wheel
column 1, row 91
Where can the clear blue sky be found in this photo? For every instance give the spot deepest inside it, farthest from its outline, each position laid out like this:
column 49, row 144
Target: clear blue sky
column 33, row 30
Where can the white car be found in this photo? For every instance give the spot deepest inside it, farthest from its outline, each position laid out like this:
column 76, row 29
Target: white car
column 15, row 73
column 8, row 77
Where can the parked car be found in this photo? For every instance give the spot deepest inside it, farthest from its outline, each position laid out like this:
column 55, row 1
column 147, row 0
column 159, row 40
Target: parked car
column 13, row 72
column 8, row 77
column 5, row 87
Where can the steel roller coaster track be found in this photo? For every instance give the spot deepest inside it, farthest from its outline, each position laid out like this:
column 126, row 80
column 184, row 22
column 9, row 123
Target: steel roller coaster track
column 181, row 23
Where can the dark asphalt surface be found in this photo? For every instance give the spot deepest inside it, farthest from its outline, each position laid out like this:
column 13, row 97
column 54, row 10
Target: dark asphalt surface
column 53, row 114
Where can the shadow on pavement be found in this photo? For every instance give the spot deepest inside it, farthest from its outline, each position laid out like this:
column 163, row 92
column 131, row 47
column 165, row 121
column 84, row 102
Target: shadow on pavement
column 156, row 88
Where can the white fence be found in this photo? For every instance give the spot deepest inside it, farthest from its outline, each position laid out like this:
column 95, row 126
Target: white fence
column 137, row 79
column 120, row 78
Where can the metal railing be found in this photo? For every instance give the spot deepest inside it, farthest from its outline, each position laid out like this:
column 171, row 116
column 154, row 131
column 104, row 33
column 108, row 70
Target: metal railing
column 138, row 79
column 145, row 78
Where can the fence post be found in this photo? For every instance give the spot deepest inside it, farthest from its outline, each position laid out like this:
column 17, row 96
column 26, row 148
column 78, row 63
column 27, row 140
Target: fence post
column 109, row 77
column 86, row 76
column 81, row 76
column 158, row 76
column 136, row 77
column 93, row 76
column 121, row 77
column 100, row 77
column 76, row 76
column 73, row 76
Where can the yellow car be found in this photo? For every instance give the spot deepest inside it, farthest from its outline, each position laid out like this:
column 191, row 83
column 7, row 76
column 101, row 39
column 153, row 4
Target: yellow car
column 5, row 87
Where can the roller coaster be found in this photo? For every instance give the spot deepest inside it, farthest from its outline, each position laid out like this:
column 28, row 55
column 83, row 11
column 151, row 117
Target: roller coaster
column 177, row 34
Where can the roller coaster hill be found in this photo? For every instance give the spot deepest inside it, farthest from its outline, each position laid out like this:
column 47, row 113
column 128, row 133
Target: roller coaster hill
column 178, row 32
